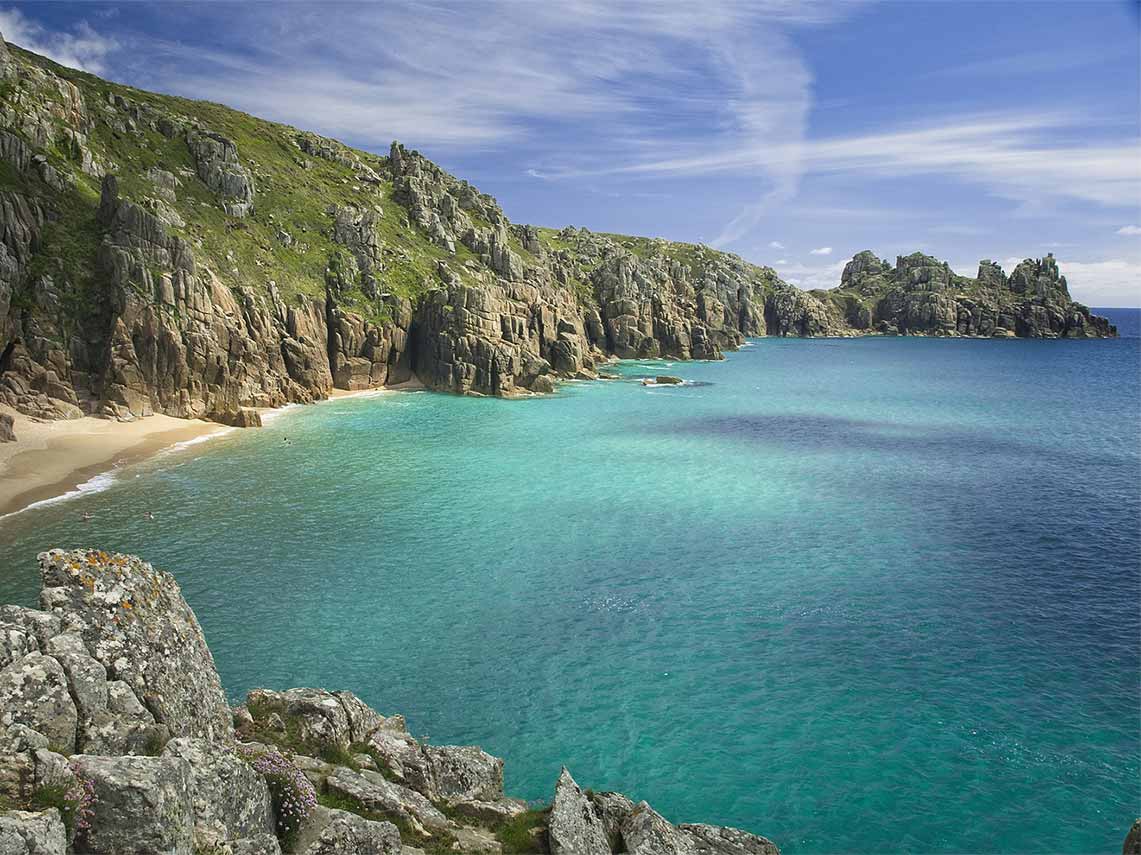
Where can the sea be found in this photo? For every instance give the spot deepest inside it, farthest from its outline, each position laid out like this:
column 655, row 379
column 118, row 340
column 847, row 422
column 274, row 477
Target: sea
column 866, row 595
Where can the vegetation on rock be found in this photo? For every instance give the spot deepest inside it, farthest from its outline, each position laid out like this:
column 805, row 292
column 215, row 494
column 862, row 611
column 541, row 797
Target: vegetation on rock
column 159, row 254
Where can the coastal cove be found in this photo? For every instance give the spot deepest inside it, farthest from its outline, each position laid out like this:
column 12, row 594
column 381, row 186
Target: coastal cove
column 685, row 594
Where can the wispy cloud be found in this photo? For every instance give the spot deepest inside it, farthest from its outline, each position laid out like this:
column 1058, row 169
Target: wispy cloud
column 82, row 48
column 776, row 244
column 1028, row 62
column 1012, row 155
column 1129, row 230
column 638, row 79
column 824, row 250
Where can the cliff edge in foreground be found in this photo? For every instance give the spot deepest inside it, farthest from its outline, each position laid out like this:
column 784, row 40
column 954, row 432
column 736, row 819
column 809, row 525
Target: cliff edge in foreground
column 116, row 739
column 162, row 255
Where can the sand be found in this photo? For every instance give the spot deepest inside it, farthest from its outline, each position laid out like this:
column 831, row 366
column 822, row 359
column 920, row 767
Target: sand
column 51, row 458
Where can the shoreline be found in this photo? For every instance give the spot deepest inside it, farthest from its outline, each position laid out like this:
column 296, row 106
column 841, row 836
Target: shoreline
column 51, row 460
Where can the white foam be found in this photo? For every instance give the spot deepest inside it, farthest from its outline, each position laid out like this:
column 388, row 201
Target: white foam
column 270, row 415
column 95, row 484
column 198, row 440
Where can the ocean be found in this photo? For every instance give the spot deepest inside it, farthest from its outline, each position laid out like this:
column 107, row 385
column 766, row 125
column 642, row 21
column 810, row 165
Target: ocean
column 869, row 595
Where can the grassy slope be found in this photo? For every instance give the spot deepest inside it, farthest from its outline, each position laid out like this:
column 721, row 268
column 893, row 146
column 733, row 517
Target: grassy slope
column 293, row 192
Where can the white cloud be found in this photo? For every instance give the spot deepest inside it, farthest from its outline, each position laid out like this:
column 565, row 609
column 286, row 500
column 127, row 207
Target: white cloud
column 1115, row 282
column 83, row 48
column 1129, row 230
column 824, row 250
column 581, row 82
column 782, row 262
column 1013, row 155
column 776, row 244
column 810, row 277
column 1112, row 282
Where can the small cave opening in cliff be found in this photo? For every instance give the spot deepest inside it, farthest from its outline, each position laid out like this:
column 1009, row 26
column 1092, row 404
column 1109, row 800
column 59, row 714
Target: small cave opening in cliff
column 6, row 356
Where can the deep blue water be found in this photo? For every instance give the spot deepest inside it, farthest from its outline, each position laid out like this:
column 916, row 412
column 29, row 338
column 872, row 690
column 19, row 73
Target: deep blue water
column 1127, row 321
column 877, row 595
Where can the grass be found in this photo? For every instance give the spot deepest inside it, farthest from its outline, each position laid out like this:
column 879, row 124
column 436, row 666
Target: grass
column 55, row 796
column 515, row 834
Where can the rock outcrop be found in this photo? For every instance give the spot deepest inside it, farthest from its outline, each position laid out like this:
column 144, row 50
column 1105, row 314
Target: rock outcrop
column 149, row 263
column 115, row 739
column 921, row 295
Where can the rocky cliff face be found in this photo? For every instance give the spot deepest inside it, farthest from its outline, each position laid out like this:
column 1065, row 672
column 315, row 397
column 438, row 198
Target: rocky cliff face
column 161, row 255
column 115, row 739
column 921, row 295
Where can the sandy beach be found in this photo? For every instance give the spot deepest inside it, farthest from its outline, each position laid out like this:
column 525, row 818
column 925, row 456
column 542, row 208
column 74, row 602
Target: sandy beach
column 51, row 458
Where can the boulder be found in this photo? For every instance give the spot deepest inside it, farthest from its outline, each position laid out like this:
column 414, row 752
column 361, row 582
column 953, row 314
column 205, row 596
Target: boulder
column 379, row 794
column 34, row 692
column 263, row 844
column 26, row 833
column 464, row 773
column 243, row 417
column 231, row 799
column 15, row 643
column 490, row 813
column 327, row 831
column 574, row 828
column 646, row 832
column 133, row 619
column 144, row 806
column 362, row 718
column 613, row 810
column 319, row 716
column 718, row 840
column 40, row 625
column 667, row 380
column 1132, row 845
column 7, row 431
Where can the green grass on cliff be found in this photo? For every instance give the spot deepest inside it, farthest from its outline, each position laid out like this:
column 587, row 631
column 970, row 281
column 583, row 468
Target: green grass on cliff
column 294, row 193
column 518, row 835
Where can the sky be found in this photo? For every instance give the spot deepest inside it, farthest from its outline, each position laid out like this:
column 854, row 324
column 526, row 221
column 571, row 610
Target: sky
column 792, row 133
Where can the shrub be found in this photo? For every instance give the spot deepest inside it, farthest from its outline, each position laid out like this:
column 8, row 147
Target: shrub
column 293, row 794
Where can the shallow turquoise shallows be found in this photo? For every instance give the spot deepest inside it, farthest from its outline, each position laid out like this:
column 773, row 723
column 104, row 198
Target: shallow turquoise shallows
column 877, row 595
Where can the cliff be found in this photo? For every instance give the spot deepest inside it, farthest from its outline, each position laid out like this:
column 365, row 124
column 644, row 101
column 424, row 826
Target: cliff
column 161, row 255
column 921, row 295
column 116, row 739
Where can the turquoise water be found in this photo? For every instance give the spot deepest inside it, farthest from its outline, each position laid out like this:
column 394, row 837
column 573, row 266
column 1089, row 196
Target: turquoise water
column 878, row 595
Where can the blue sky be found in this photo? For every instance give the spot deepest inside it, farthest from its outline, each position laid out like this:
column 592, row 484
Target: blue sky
column 795, row 134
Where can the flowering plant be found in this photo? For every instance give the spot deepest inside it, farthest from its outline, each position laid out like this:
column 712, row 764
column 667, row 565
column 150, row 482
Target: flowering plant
column 293, row 794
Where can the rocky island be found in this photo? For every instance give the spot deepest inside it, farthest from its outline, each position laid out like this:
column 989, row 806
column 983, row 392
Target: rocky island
column 161, row 255
column 116, row 739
